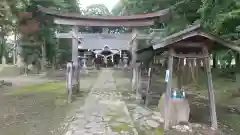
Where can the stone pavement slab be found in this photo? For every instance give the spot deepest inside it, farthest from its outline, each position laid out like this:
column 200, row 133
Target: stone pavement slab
column 104, row 113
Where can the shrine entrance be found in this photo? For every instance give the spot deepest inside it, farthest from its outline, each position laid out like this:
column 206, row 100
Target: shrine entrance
column 96, row 42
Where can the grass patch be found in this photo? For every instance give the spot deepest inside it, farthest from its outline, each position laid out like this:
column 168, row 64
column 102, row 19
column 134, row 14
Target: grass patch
column 159, row 131
column 121, row 127
column 58, row 87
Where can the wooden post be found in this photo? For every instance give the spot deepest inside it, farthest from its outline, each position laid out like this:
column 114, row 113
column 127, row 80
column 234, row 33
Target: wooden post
column 168, row 91
column 137, row 79
column 180, row 75
column 43, row 47
column 76, row 82
column 237, row 68
column 149, row 84
column 211, row 93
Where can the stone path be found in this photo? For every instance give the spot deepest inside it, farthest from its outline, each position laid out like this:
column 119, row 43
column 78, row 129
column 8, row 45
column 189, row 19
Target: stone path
column 104, row 113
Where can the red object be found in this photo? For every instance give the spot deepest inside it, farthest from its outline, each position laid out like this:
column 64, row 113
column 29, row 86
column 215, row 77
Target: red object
column 25, row 15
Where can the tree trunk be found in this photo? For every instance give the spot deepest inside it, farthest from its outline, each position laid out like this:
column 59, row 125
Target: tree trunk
column 3, row 46
column 43, row 56
column 214, row 57
column 14, row 48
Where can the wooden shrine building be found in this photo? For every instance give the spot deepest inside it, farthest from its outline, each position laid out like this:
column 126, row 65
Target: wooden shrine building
column 183, row 47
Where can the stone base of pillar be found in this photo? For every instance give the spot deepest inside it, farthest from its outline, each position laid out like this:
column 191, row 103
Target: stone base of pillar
column 84, row 66
column 85, row 71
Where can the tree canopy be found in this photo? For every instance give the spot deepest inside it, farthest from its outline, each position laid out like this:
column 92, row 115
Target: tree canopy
column 220, row 17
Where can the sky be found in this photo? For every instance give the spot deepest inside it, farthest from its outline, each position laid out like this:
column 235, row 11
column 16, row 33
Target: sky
column 108, row 3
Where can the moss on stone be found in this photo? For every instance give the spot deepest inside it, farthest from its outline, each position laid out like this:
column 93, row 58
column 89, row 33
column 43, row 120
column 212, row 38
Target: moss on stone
column 121, row 127
column 159, row 131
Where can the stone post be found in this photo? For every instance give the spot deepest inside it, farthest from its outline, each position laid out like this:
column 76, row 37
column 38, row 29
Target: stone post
column 84, row 61
column 69, row 78
column 125, row 61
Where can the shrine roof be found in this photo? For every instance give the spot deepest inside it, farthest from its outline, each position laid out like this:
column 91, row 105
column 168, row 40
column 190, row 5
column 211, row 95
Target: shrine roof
column 99, row 41
column 87, row 17
column 189, row 34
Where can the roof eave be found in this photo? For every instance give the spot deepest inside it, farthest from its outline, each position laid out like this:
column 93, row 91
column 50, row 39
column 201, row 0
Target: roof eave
column 154, row 15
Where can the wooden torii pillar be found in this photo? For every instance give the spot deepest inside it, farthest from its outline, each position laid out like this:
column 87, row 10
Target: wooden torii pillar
column 76, row 37
column 134, row 65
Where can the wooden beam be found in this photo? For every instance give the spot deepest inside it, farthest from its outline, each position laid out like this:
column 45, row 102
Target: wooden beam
column 188, row 44
column 211, row 93
column 67, row 35
column 168, row 91
column 146, row 37
column 104, row 23
column 190, row 55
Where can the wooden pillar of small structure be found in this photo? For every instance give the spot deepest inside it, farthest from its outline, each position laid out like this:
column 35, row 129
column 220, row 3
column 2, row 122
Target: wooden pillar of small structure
column 138, row 77
column 76, row 81
column 237, row 59
column 180, row 74
column 168, row 91
column 148, row 96
column 212, row 105
column 133, row 61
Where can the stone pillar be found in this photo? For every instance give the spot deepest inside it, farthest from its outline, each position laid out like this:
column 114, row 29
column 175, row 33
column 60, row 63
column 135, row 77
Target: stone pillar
column 69, row 80
column 105, row 30
column 3, row 60
column 84, row 61
column 125, row 61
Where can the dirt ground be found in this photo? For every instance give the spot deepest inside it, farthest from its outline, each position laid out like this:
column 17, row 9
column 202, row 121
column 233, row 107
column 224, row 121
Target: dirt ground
column 38, row 106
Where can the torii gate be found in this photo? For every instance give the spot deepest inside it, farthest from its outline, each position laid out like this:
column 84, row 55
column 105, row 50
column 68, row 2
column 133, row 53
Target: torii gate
column 75, row 20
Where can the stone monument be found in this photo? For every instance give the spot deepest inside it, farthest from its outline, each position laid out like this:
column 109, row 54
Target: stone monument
column 179, row 110
column 125, row 60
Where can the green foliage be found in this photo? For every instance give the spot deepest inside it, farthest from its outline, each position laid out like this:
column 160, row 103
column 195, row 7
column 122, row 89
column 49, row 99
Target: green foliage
column 46, row 35
column 218, row 16
column 97, row 10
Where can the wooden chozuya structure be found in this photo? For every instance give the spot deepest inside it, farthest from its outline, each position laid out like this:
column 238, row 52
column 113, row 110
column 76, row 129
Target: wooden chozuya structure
column 76, row 20
column 191, row 43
